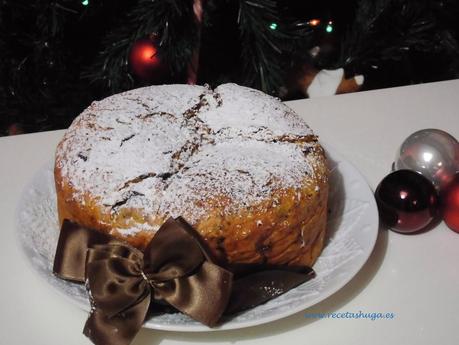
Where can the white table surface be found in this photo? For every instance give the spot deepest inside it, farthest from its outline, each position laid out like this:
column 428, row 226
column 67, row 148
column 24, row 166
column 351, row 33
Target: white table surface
column 416, row 277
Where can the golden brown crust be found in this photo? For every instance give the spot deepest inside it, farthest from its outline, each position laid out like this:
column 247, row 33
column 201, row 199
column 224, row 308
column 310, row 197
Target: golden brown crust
column 290, row 233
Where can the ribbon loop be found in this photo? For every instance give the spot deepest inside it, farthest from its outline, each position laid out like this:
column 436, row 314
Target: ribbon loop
column 74, row 241
column 172, row 253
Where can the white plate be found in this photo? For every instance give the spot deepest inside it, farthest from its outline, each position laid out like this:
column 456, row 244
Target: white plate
column 352, row 232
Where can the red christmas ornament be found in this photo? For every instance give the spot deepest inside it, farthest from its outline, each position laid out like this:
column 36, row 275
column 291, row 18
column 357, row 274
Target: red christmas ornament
column 450, row 204
column 407, row 201
column 144, row 60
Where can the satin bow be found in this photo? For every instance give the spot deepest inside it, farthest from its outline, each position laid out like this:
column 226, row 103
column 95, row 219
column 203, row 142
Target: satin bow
column 175, row 268
column 122, row 280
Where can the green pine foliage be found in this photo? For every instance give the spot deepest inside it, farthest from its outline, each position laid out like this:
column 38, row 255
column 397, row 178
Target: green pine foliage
column 56, row 56
column 171, row 21
column 389, row 33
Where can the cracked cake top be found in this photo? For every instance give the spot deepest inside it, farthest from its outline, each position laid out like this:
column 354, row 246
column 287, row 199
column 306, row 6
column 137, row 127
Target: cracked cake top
column 173, row 149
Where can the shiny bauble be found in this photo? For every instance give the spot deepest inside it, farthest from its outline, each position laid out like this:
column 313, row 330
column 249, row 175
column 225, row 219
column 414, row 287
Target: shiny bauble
column 145, row 62
column 407, row 201
column 431, row 152
column 450, row 204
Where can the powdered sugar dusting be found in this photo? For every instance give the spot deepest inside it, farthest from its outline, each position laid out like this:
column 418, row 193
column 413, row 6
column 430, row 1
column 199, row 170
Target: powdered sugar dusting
column 176, row 149
column 235, row 109
column 244, row 171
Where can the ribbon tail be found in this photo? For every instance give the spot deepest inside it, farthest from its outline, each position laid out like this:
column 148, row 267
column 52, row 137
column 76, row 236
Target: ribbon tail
column 258, row 288
column 119, row 329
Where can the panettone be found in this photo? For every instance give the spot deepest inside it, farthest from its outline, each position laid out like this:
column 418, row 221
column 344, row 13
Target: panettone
column 238, row 165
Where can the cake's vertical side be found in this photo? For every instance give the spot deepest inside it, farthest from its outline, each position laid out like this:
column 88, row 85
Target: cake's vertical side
column 72, row 204
column 61, row 209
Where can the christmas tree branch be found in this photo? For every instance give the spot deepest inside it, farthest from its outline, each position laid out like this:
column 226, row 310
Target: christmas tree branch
column 172, row 21
column 388, row 31
column 262, row 39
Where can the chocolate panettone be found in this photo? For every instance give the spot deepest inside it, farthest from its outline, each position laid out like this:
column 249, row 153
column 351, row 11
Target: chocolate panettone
column 240, row 166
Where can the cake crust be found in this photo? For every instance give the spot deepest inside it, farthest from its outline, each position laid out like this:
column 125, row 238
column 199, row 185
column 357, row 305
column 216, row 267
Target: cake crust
column 241, row 167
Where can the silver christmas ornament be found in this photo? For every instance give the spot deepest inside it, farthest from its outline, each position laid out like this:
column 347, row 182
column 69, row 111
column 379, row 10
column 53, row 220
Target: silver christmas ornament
column 431, row 152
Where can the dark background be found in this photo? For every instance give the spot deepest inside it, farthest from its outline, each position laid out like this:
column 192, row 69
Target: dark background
column 53, row 53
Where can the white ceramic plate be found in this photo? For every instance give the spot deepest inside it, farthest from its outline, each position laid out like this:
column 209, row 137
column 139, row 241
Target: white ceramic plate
column 352, row 232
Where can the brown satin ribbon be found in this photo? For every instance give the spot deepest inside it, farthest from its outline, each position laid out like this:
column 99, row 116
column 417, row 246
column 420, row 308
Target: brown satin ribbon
column 175, row 268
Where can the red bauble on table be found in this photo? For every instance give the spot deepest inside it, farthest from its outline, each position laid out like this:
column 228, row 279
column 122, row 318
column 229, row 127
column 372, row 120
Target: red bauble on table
column 407, row 201
column 450, row 204
column 144, row 60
